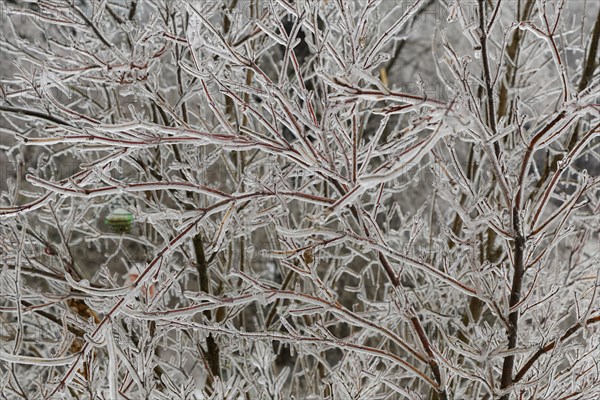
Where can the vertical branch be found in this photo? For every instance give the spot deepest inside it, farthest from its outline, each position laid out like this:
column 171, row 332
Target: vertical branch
column 591, row 62
column 591, row 65
column 512, row 55
column 491, row 112
column 515, row 297
column 211, row 353
column 355, row 143
column 519, row 258
column 518, row 272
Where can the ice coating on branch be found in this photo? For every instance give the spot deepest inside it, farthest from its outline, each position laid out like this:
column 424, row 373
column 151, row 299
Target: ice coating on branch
column 377, row 199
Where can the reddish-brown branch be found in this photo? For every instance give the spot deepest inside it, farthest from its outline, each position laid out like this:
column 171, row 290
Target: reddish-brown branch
column 548, row 347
